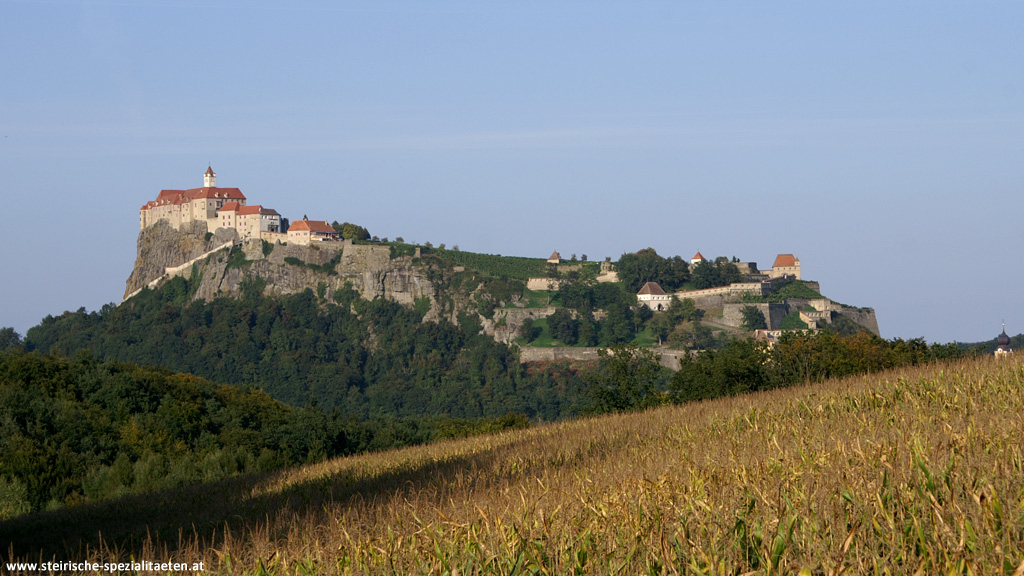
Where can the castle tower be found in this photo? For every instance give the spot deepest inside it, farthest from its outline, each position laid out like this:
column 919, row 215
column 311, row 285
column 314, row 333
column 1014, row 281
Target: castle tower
column 210, row 178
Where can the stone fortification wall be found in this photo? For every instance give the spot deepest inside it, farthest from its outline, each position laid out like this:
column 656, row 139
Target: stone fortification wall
column 732, row 314
column 797, row 304
column 543, row 284
column 739, row 288
column 706, row 302
column 863, row 316
column 747, row 268
column 825, row 305
column 715, row 297
column 671, row 358
column 815, row 319
column 274, row 237
column 529, row 354
column 666, row 357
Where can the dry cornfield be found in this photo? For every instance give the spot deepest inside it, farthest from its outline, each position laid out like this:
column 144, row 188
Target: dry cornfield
column 914, row 471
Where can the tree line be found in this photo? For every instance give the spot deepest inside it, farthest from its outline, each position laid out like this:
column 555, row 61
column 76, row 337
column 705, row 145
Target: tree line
column 74, row 430
column 631, row 378
column 674, row 273
column 368, row 358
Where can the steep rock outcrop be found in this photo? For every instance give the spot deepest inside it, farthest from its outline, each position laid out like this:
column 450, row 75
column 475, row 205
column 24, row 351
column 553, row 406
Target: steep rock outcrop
column 160, row 246
column 288, row 269
column 278, row 268
column 505, row 325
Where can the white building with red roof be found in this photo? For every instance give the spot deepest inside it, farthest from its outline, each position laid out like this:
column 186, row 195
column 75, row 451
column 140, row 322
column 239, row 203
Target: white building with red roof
column 182, row 207
column 252, row 220
column 785, row 265
column 305, row 231
column 654, row 297
column 227, row 215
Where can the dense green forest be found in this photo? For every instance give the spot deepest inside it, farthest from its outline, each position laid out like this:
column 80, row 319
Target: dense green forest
column 75, row 430
column 365, row 358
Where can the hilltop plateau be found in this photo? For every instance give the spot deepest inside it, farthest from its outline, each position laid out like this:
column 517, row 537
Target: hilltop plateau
column 501, row 292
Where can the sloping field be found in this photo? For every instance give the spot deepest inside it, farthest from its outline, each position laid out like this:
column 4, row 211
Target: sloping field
column 912, row 471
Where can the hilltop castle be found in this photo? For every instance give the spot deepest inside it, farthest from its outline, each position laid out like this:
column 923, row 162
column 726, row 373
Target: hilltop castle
column 226, row 208
column 216, row 207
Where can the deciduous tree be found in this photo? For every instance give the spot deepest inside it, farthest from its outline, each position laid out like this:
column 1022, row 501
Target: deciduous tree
column 563, row 326
column 753, row 319
column 9, row 338
column 629, row 378
column 636, row 269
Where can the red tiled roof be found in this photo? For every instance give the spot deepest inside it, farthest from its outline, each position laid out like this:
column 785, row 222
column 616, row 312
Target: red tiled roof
column 554, row 256
column 312, row 226
column 182, row 196
column 229, row 207
column 257, row 209
column 698, row 256
column 170, row 196
column 785, row 260
column 651, row 288
column 232, row 193
column 209, row 170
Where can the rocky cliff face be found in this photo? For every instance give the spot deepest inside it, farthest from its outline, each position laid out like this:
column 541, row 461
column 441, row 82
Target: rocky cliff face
column 161, row 246
column 279, row 268
column 505, row 325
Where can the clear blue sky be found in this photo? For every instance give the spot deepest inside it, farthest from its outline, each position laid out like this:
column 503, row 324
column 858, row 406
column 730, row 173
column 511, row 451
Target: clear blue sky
column 880, row 142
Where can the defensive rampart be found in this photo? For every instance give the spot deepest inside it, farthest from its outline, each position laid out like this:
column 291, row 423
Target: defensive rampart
column 528, row 354
column 732, row 314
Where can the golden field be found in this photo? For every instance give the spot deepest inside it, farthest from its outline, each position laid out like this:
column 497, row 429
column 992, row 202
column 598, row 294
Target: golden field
column 913, row 471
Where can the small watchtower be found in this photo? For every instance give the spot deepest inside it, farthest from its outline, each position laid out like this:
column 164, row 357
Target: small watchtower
column 209, row 178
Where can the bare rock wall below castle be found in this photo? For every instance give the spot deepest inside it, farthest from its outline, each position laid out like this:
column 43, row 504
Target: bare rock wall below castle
column 282, row 269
